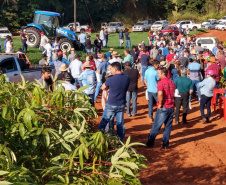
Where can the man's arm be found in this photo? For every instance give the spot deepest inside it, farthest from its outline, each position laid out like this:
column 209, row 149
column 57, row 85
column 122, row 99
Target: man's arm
column 104, row 87
column 160, row 99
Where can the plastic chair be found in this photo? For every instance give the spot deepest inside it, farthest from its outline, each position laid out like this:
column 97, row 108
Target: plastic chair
column 222, row 99
column 214, row 99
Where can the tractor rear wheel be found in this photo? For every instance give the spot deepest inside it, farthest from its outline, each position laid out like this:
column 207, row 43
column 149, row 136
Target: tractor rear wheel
column 66, row 44
column 34, row 38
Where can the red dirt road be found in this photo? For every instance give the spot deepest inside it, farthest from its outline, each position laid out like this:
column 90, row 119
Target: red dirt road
column 221, row 35
column 197, row 153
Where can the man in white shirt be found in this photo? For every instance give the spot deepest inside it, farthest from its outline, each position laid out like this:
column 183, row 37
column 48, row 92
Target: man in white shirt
column 76, row 70
column 43, row 42
column 67, row 84
column 102, row 37
column 114, row 58
column 48, row 51
column 9, row 46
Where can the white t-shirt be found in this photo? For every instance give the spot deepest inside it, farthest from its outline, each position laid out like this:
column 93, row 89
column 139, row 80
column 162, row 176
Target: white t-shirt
column 43, row 40
column 8, row 47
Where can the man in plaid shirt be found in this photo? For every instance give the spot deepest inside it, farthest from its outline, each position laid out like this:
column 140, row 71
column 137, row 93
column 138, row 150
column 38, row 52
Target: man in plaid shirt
column 165, row 111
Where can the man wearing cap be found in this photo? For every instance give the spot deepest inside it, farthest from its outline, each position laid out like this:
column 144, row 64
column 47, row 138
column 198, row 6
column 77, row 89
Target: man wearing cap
column 151, row 79
column 206, row 91
column 98, row 44
column 76, row 69
column 118, row 85
column 66, row 77
column 132, row 90
column 88, row 44
column 71, row 56
column 43, row 42
column 88, row 78
column 165, row 111
column 154, row 52
column 128, row 57
column 185, row 88
column 24, row 38
column 82, row 40
column 101, row 70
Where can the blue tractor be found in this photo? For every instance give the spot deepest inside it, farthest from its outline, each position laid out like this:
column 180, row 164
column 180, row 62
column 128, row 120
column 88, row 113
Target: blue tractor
column 48, row 22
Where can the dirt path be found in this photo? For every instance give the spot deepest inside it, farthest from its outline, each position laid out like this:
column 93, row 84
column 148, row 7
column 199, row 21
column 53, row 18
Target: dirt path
column 221, row 35
column 197, row 151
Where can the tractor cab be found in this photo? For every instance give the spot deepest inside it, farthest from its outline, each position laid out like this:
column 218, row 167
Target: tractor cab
column 49, row 21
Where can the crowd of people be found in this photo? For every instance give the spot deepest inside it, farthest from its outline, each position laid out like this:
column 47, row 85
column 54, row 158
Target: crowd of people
column 171, row 68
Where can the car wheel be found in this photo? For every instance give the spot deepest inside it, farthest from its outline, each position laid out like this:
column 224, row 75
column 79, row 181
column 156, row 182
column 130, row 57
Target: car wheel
column 195, row 28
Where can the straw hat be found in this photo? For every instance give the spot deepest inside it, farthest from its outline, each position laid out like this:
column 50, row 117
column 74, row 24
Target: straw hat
column 115, row 53
column 111, row 50
column 64, row 67
column 163, row 64
column 87, row 64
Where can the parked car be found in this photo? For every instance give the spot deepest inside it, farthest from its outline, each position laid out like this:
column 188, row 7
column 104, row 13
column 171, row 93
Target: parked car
column 79, row 27
column 208, row 21
column 4, row 32
column 221, row 26
column 143, row 25
column 15, row 64
column 113, row 27
column 207, row 42
column 159, row 25
column 223, row 19
column 191, row 25
column 210, row 25
column 168, row 30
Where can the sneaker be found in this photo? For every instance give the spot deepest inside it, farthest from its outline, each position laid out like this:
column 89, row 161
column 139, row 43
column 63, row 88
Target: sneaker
column 177, row 122
column 149, row 146
column 134, row 115
column 128, row 115
column 190, row 106
column 204, row 120
column 165, row 147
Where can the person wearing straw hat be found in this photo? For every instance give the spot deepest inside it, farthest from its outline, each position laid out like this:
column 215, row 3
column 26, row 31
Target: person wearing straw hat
column 114, row 58
column 64, row 68
column 88, row 78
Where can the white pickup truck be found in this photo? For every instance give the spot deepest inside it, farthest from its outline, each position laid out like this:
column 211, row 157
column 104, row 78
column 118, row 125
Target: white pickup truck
column 79, row 27
column 191, row 25
column 15, row 64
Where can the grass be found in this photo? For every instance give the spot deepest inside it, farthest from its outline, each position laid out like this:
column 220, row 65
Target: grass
column 34, row 54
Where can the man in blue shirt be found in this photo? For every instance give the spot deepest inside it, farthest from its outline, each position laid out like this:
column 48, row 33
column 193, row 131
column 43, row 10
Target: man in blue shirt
column 88, row 78
column 118, row 85
column 128, row 42
column 101, row 71
column 214, row 50
column 158, row 57
column 165, row 50
column 151, row 78
column 82, row 39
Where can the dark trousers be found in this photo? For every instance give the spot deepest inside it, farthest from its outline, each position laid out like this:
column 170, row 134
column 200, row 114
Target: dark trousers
column 24, row 47
column 205, row 100
column 184, row 101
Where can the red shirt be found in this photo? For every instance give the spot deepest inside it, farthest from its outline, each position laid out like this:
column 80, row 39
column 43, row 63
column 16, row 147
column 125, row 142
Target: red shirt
column 169, row 57
column 216, row 69
column 168, row 88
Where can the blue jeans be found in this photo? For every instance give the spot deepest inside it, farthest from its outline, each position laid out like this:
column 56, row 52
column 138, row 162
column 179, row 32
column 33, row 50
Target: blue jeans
column 83, row 46
column 24, row 47
column 91, row 98
column 78, row 82
column 106, row 42
column 162, row 116
column 205, row 101
column 99, row 84
column 195, row 85
column 133, row 95
column 88, row 51
column 110, row 112
column 144, row 68
column 120, row 43
column 128, row 42
column 151, row 97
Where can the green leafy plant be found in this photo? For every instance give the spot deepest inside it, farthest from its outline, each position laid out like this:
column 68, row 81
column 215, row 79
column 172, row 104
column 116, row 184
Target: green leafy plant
column 49, row 138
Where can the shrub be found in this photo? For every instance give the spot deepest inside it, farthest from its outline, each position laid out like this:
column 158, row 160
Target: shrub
column 48, row 138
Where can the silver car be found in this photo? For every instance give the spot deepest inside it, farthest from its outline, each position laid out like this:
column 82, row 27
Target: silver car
column 4, row 32
column 159, row 25
column 114, row 27
column 210, row 25
column 141, row 26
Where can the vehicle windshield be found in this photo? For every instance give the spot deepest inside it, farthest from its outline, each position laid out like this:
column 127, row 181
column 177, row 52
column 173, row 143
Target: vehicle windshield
column 46, row 20
column 140, row 23
column 112, row 24
column 167, row 28
column 178, row 22
column 4, row 31
column 205, row 41
column 208, row 20
column 158, row 23
column 222, row 23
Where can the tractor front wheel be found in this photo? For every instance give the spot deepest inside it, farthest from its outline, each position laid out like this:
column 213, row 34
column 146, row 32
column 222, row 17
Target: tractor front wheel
column 34, row 37
column 66, row 44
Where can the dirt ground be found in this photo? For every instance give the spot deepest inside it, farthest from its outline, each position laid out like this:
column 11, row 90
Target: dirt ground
column 197, row 153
